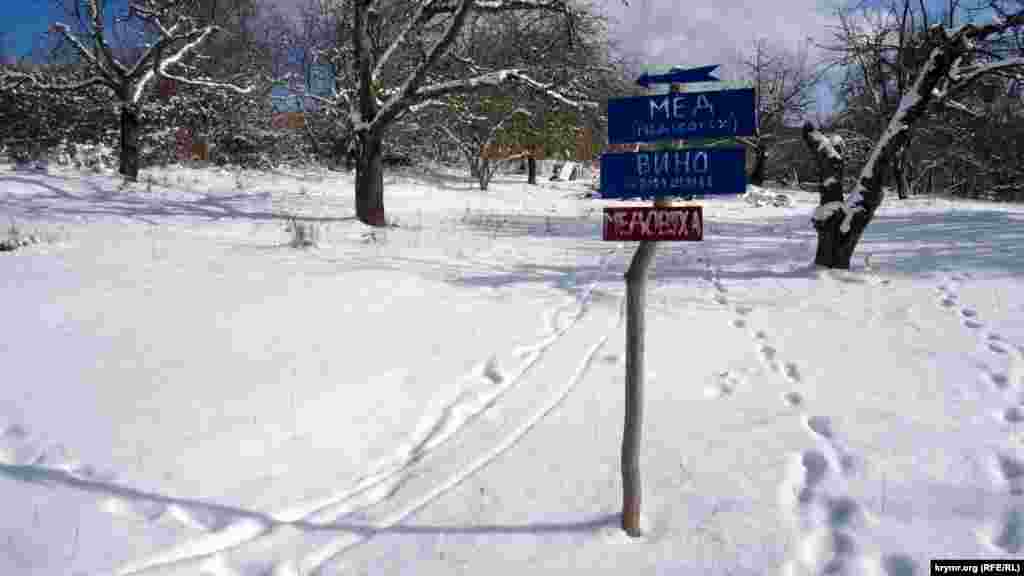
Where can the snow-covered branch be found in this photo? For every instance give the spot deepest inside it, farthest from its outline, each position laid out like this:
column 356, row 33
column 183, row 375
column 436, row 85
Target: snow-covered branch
column 954, row 105
column 968, row 74
column 421, row 17
column 508, row 5
column 415, row 79
column 94, row 81
column 193, row 40
column 491, row 79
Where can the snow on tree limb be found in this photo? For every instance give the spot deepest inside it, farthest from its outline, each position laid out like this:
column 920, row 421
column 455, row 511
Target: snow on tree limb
column 421, row 17
column 954, row 105
column 968, row 74
column 490, row 79
column 197, row 37
column 95, row 80
column 506, row 5
column 416, row 78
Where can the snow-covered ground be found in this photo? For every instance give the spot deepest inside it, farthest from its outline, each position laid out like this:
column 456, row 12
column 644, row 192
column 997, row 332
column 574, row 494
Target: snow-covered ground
column 185, row 393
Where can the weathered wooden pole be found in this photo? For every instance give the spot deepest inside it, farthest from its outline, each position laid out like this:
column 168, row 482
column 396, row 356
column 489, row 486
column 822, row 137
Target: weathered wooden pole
column 636, row 301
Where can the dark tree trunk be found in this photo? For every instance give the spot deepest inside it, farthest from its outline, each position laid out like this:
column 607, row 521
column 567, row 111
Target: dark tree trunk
column 531, row 170
column 370, row 179
column 129, row 141
column 760, row 159
column 833, row 251
column 899, row 172
column 484, row 173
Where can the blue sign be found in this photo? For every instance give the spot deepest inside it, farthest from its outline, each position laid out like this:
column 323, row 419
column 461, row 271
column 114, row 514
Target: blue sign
column 681, row 115
column 683, row 172
column 284, row 100
column 679, row 76
column 320, row 80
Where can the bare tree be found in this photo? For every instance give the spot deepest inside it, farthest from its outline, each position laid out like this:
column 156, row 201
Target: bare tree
column 170, row 36
column 401, row 58
column 475, row 126
column 784, row 86
column 957, row 61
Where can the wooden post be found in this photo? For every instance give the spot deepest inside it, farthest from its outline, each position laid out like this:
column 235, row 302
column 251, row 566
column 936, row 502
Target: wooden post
column 636, row 301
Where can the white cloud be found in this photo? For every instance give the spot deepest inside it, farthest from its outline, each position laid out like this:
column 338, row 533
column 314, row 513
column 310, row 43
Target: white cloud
column 699, row 32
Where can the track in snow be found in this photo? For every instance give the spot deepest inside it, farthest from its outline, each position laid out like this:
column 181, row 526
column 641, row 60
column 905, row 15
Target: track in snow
column 420, row 471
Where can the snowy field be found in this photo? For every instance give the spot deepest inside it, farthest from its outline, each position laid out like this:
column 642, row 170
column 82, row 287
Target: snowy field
column 183, row 392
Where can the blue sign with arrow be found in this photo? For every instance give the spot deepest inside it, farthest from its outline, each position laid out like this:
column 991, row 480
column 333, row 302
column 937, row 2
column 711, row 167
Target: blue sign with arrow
column 681, row 115
column 681, row 172
column 679, row 76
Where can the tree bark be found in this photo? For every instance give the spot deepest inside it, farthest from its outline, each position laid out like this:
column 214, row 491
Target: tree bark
column 129, row 166
column 370, row 179
column 760, row 159
column 531, row 170
column 899, row 172
column 830, row 172
column 484, row 173
column 636, row 301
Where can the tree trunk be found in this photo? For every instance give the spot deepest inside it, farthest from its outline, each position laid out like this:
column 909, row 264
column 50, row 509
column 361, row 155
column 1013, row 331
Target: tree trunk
column 484, row 173
column 833, row 249
column 129, row 141
column 370, row 179
column 531, row 170
column 760, row 159
column 899, row 172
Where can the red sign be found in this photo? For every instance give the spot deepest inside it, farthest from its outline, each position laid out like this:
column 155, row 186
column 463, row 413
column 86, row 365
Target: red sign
column 654, row 223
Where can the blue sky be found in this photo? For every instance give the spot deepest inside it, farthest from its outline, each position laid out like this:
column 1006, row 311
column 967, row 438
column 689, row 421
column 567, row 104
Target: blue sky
column 21, row 21
column 24, row 23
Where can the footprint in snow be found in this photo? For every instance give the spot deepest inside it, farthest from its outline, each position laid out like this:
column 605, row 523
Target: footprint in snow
column 998, row 379
column 1012, row 415
column 739, row 323
column 768, row 356
column 820, row 425
column 1009, row 471
column 18, row 448
column 726, row 385
column 899, row 565
column 1009, row 536
column 814, row 467
column 997, row 348
column 792, row 372
column 793, row 399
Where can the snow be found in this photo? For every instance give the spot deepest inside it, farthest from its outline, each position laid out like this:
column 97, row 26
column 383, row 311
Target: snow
column 186, row 393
